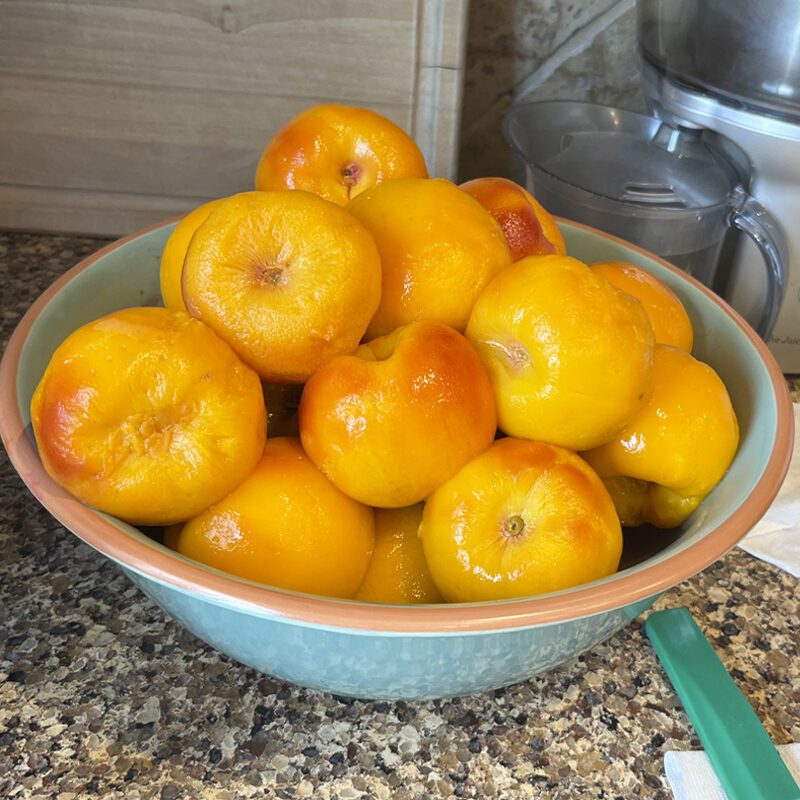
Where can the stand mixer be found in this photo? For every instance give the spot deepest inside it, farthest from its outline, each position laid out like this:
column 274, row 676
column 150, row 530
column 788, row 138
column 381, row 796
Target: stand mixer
column 733, row 67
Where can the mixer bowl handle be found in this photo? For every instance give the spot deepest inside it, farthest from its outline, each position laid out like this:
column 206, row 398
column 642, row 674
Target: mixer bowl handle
column 750, row 217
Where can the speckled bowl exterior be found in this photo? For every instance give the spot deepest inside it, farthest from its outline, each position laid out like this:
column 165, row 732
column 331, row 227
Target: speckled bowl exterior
column 396, row 652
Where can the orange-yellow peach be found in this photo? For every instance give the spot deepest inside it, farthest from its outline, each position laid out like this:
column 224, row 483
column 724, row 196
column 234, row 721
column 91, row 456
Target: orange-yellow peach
column 676, row 449
column 569, row 355
column 338, row 152
column 398, row 572
column 148, row 415
column 671, row 323
column 438, row 246
column 528, row 227
column 522, row 518
column 175, row 252
column 286, row 526
column 395, row 420
column 288, row 279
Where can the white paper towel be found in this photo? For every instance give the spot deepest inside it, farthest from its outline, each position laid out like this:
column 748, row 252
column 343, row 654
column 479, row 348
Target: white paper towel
column 776, row 538
column 691, row 776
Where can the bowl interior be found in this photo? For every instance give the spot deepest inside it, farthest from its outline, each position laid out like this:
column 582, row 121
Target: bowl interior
column 128, row 274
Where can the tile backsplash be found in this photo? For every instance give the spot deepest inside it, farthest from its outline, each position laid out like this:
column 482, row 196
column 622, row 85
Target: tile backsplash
column 527, row 50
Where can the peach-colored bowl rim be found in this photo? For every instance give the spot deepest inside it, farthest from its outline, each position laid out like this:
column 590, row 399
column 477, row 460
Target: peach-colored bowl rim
column 159, row 564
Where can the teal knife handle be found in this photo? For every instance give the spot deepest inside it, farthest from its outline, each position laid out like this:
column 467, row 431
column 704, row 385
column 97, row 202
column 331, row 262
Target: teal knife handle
column 740, row 750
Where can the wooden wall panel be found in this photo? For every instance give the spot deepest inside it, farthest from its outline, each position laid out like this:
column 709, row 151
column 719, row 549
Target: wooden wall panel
column 115, row 111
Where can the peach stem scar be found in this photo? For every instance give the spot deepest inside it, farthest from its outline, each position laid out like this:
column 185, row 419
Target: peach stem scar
column 514, row 526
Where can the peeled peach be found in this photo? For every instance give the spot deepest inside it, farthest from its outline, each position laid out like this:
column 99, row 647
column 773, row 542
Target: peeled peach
column 148, row 415
column 528, row 228
column 174, row 254
column 522, row 518
column 400, row 416
column 338, row 152
column 398, row 572
column 288, row 279
column 286, row 526
column 569, row 355
column 438, row 246
column 671, row 323
column 676, row 449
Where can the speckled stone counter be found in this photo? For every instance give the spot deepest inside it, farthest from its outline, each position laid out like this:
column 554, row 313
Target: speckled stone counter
column 102, row 695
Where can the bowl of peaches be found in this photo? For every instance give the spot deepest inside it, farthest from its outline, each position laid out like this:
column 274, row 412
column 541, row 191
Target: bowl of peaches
column 379, row 434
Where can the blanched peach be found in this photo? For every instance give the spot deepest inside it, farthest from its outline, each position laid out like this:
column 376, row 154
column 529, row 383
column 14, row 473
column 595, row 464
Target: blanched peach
column 528, row 227
column 522, row 518
column 288, row 279
column 148, row 415
column 175, row 252
column 671, row 323
column 397, row 418
column 398, row 572
column 569, row 355
column 287, row 525
column 438, row 246
column 338, row 152
column 676, row 449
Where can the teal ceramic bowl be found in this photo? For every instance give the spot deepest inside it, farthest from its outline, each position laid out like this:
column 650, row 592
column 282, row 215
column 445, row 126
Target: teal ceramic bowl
column 375, row 651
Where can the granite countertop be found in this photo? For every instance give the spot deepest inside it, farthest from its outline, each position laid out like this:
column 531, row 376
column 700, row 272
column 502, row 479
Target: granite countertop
column 101, row 694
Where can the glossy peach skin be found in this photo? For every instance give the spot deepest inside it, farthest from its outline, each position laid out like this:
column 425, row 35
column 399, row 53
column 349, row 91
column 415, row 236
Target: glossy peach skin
column 398, row 572
column 569, row 355
column 438, row 246
column 147, row 415
column 288, row 279
column 676, row 449
column 671, row 323
column 528, row 228
column 175, row 252
column 520, row 519
column 338, row 152
column 400, row 416
column 285, row 526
